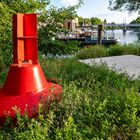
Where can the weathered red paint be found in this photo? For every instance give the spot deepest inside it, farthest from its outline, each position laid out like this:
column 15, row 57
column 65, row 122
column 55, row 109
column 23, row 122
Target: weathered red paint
column 26, row 85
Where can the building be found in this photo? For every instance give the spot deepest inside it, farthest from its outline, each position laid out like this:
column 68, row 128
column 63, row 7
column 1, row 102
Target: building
column 71, row 24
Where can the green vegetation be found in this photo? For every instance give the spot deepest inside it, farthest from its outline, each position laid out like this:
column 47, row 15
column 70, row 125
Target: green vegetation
column 80, row 21
column 57, row 47
column 7, row 9
column 92, row 52
column 10, row 7
column 50, row 21
column 96, row 21
column 97, row 103
column 136, row 21
column 101, row 51
column 130, row 5
column 90, row 21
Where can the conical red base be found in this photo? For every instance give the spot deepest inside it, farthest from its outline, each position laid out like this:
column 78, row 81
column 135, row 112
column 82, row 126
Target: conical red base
column 25, row 88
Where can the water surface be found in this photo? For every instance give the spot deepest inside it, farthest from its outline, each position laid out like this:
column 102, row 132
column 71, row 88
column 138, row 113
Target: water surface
column 125, row 37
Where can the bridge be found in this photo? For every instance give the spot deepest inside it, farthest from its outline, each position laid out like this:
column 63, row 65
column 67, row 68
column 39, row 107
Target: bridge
column 113, row 25
column 123, row 24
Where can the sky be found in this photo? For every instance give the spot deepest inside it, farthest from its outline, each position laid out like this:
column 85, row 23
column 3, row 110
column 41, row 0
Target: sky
column 97, row 8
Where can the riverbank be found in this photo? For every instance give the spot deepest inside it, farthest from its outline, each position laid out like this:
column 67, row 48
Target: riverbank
column 115, row 50
column 97, row 103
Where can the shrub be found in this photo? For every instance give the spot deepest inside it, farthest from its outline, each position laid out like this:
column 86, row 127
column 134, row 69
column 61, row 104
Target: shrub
column 101, row 104
column 124, row 50
column 6, row 53
column 132, row 49
column 112, row 116
column 115, row 50
column 97, row 103
column 92, row 52
column 57, row 47
column 83, row 114
column 48, row 45
column 2, row 65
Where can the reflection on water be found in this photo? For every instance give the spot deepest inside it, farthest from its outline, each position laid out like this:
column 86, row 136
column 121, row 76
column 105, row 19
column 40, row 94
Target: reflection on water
column 125, row 37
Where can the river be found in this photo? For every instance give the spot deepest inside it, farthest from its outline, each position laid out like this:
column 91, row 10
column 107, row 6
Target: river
column 127, row 37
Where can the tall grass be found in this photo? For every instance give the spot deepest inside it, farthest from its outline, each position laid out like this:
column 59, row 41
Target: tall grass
column 124, row 50
column 97, row 103
column 92, row 52
column 101, row 51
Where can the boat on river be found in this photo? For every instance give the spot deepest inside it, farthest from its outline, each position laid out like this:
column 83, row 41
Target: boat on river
column 105, row 41
column 88, row 40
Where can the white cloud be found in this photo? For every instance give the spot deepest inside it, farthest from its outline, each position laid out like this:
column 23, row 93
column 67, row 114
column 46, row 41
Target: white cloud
column 69, row 2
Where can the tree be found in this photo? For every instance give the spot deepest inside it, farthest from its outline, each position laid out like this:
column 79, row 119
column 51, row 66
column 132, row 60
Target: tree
column 80, row 21
column 130, row 5
column 10, row 7
column 136, row 21
column 51, row 24
column 87, row 21
column 49, row 16
column 7, row 9
column 105, row 21
column 53, row 19
column 95, row 21
column 25, row 6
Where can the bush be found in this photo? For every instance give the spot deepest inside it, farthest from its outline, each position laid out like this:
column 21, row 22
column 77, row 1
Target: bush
column 97, row 103
column 5, row 61
column 57, row 47
column 101, row 51
column 132, row 49
column 124, row 50
column 112, row 116
column 2, row 65
column 116, row 50
column 102, row 103
column 48, row 45
column 92, row 52
column 6, row 53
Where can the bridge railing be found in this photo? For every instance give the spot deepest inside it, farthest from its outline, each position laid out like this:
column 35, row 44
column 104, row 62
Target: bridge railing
column 114, row 25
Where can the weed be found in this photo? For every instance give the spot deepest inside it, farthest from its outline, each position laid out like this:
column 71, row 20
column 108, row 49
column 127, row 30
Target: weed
column 97, row 103
column 101, row 51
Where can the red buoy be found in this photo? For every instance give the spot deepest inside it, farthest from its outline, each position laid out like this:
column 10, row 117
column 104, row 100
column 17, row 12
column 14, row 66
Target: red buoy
column 26, row 85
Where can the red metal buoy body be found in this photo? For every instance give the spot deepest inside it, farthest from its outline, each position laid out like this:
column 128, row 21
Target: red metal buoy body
column 26, row 85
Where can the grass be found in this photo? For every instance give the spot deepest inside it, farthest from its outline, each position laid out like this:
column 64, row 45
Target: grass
column 97, row 103
column 101, row 51
column 100, row 103
column 92, row 52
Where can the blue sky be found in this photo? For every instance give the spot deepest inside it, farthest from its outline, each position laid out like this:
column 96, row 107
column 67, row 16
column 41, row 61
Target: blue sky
column 97, row 8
